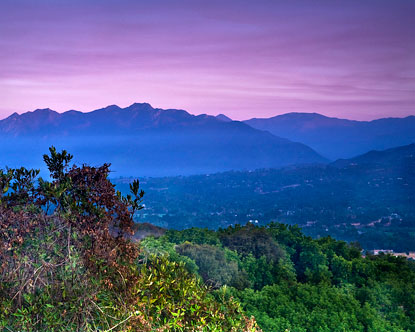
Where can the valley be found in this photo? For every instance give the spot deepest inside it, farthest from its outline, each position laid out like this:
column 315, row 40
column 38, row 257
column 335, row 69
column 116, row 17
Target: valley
column 368, row 199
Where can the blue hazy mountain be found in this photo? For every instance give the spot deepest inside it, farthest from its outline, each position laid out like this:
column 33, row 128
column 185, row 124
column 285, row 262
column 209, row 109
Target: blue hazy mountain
column 223, row 117
column 142, row 140
column 389, row 160
column 339, row 138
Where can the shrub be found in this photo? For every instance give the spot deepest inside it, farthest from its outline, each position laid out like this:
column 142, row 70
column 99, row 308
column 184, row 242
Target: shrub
column 66, row 263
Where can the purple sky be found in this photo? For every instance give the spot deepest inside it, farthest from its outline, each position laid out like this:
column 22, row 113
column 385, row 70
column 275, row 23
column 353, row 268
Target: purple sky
column 353, row 58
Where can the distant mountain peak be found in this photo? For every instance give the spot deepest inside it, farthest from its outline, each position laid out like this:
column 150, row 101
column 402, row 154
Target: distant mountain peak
column 111, row 107
column 339, row 138
column 43, row 110
column 302, row 114
column 140, row 106
column 41, row 114
column 13, row 116
column 223, row 117
column 72, row 112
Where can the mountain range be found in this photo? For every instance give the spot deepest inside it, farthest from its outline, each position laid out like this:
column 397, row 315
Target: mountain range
column 339, row 138
column 146, row 141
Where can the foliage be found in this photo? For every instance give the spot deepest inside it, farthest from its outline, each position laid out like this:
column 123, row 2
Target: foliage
column 214, row 267
column 295, row 283
column 160, row 247
column 194, row 235
column 66, row 263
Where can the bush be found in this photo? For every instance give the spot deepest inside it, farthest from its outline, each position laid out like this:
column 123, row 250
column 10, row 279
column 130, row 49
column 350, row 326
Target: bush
column 66, row 263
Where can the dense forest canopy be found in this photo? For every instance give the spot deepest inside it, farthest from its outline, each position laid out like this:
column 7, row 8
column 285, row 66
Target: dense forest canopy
column 291, row 282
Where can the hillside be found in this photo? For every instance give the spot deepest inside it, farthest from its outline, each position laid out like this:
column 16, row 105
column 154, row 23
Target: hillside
column 339, row 138
column 387, row 160
column 367, row 199
column 68, row 265
column 141, row 140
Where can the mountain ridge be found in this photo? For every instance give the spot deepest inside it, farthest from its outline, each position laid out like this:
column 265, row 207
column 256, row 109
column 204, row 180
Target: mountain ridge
column 149, row 141
column 397, row 156
column 338, row 138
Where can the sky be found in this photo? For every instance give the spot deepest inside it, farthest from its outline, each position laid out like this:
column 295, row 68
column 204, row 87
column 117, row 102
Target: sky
column 352, row 59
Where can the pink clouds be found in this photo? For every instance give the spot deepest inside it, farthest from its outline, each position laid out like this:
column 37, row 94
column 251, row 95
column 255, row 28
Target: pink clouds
column 241, row 58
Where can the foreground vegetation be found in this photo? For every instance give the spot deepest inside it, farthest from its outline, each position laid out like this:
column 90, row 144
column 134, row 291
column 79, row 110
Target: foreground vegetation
column 291, row 282
column 66, row 263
